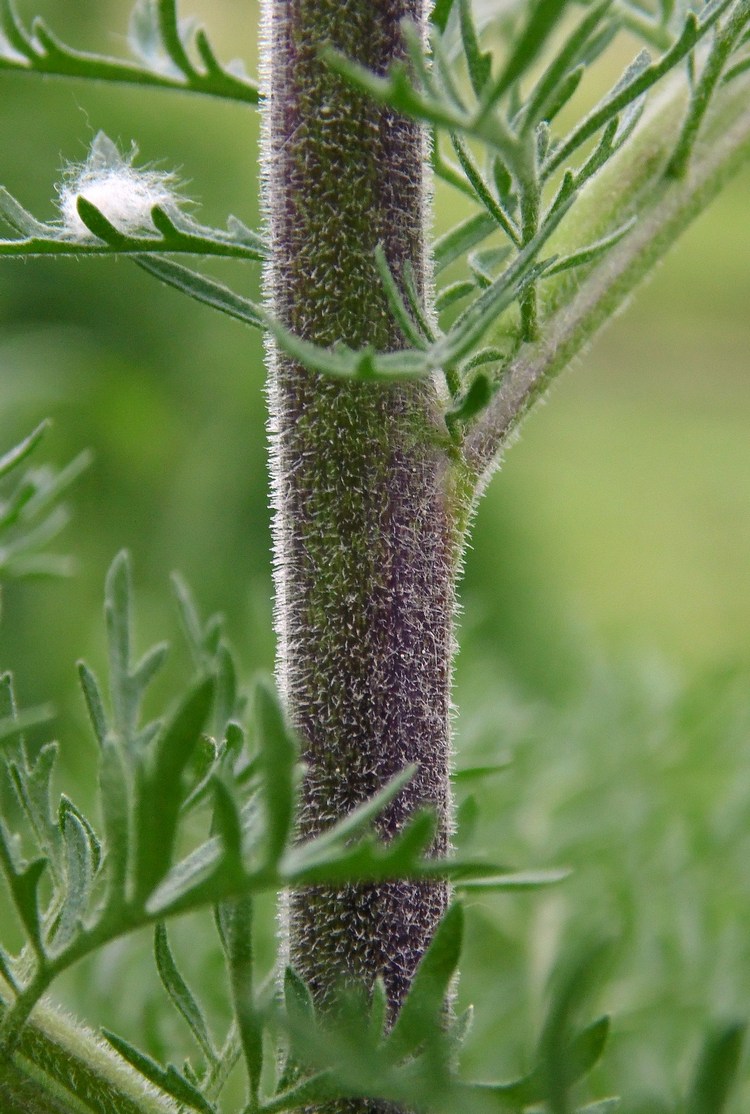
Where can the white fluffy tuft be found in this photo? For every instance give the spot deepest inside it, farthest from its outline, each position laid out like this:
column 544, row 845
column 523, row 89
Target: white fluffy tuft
column 123, row 194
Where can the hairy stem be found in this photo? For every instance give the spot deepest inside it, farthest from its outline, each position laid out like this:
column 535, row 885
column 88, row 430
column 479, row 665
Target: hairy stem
column 58, row 1067
column 365, row 541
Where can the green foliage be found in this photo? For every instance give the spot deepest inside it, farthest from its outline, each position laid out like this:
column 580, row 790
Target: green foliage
column 532, row 177
column 161, row 43
column 30, row 512
column 196, row 806
column 77, row 884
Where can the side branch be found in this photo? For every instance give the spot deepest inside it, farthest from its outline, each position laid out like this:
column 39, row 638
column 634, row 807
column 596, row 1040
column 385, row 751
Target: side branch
column 61, row 1068
column 634, row 181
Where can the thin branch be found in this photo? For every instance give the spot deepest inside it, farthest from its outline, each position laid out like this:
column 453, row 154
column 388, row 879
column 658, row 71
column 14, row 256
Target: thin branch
column 42, row 52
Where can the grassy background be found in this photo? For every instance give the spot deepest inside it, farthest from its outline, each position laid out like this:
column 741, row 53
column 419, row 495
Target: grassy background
column 605, row 601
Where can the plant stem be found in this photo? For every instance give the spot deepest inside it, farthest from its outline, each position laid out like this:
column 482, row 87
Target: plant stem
column 365, row 542
column 58, row 1067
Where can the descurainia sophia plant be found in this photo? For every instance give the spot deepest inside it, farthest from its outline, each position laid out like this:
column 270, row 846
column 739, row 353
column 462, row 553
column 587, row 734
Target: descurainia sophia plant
column 399, row 370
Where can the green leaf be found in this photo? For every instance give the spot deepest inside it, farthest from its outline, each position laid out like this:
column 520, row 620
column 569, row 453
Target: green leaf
column 7, row 699
column 277, row 757
column 378, row 1020
column 467, row 818
column 519, row 880
column 228, row 824
column 25, row 887
column 481, row 189
column 168, row 1079
column 12, row 29
column 543, row 18
column 160, row 789
column 94, row 702
column 725, row 40
column 576, row 1061
column 95, row 848
column 45, row 53
column 423, row 1007
column 114, row 792
column 149, row 665
column 396, row 302
column 472, row 402
column 8, row 971
column 228, row 703
column 466, row 235
column 189, row 619
column 171, row 37
column 412, row 287
column 559, row 80
column 179, row 993
column 99, row 225
column 237, row 936
column 457, row 291
column 214, row 871
column 17, row 455
column 117, row 612
column 304, row 1095
column 591, row 252
column 20, row 220
column 587, row 1048
column 479, row 64
column 14, row 726
column 486, row 309
column 48, row 486
column 203, row 289
column 328, row 844
column 297, row 998
column 79, row 874
column 461, row 1028
column 342, row 362
column 562, row 1060
column 479, row 773
column 637, row 80
column 440, row 13
column 23, row 882
column 32, row 783
column 717, row 1069
column 483, row 265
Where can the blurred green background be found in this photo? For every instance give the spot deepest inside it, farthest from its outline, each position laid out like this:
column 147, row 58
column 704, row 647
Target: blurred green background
column 606, row 602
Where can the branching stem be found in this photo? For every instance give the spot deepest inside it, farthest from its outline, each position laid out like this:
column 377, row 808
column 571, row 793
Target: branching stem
column 669, row 205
